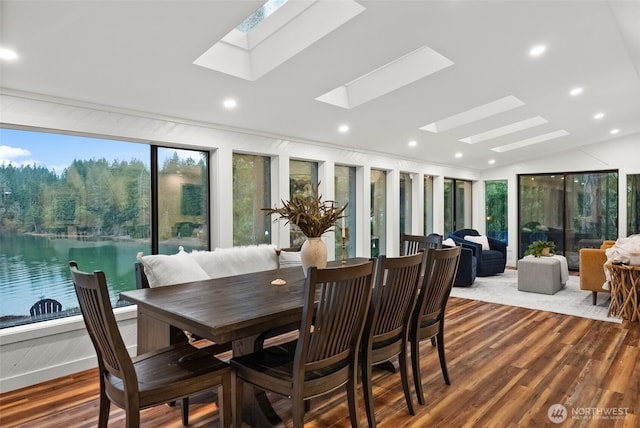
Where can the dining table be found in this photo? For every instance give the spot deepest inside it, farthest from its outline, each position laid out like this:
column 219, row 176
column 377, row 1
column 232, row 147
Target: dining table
column 241, row 310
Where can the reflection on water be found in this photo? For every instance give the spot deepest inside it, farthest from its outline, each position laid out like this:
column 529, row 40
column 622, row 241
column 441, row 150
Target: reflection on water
column 35, row 267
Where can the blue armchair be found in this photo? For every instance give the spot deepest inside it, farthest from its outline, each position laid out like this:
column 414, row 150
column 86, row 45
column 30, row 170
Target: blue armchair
column 488, row 262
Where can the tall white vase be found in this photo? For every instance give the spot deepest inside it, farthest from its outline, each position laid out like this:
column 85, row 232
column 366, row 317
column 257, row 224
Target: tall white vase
column 313, row 253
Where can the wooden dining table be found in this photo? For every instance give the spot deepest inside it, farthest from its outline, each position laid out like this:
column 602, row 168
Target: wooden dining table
column 241, row 310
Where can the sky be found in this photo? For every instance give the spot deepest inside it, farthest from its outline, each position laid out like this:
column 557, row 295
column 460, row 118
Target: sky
column 57, row 151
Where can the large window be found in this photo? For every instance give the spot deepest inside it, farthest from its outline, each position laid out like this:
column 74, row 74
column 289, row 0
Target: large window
column 183, row 202
column 378, row 212
column 428, row 204
column 406, row 183
column 90, row 200
column 495, row 196
column 345, row 188
column 303, row 178
column 251, row 193
column 633, row 204
column 574, row 210
column 457, row 205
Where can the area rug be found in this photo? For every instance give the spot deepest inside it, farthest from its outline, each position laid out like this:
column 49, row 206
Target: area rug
column 503, row 289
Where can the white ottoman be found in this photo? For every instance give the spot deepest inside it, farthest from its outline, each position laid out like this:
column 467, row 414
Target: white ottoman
column 545, row 275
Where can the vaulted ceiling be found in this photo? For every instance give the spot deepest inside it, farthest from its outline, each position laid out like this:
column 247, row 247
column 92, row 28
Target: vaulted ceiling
column 454, row 76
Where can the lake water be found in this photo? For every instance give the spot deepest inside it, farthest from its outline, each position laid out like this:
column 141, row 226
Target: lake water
column 35, row 267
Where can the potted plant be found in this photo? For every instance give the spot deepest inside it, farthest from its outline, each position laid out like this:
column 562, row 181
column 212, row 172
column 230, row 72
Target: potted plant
column 314, row 217
column 540, row 248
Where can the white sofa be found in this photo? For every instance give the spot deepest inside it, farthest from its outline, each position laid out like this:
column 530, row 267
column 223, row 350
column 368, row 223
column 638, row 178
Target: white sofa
column 160, row 270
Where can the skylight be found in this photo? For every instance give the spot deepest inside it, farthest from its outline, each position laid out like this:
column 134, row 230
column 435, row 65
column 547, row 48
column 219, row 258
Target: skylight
column 260, row 15
column 529, row 141
column 285, row 28
column 477, row 113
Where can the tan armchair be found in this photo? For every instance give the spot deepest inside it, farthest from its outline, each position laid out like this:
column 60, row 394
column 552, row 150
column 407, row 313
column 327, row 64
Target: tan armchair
column 592, row 262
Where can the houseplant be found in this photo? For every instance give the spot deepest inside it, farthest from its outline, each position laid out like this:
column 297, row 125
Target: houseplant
column 314, row 217
column 540, row 248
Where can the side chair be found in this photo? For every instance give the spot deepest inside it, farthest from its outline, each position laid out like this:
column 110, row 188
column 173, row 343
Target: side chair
column 386, row 332
column 411, row 244
column 325, row 355
column 162, row 376
column 427, row 320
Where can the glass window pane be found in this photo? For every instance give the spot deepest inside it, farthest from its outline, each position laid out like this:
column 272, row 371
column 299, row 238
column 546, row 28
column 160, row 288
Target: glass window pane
column 496, row 209
column 378, row 212
column 251, row 193
column 457, row 205
column 428, row 205
column 633, row 204
column 405, row 202
column 183, row 200
column 575, row 211
column 303, row 177
column 345, row 187
column 90, row 205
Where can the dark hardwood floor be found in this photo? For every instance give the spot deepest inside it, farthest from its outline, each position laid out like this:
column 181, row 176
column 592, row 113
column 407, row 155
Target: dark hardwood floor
column 507, row 365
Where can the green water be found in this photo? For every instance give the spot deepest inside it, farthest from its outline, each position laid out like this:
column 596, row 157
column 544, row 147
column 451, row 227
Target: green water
column 35, row 267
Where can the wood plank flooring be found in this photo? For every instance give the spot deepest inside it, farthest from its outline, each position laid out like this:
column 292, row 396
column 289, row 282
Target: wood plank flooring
column 507, row 365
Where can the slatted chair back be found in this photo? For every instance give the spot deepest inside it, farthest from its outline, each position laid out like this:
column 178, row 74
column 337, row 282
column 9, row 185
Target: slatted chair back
column 93, row 297
column 427, row 321
column 336, row 303
column 411, row 244
column 45, row 306
column 386, row 330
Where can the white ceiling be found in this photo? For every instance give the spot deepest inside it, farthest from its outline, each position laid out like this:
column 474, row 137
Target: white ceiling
column 138, row 55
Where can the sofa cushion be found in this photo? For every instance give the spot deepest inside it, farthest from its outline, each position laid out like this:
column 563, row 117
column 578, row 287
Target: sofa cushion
column 236, row 260
column 162, row 269
column 482, row 240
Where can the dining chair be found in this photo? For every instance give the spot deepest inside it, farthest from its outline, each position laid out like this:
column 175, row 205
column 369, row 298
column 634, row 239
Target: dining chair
column 386, row 331
column 411, row 244
column 427, row 319
column 162, row 376
column 325, row 355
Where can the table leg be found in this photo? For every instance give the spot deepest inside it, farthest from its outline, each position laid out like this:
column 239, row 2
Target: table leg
column 256, row 407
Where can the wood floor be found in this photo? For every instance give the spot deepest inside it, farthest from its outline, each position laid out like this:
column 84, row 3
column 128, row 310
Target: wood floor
column 507, row 365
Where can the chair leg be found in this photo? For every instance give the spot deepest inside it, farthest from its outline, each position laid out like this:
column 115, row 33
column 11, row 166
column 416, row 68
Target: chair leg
column 594, row 297
column 433, row 341
column 132, row 418
column 224, row 403
column 443, row 362
column 415, row 364
column 298, row 412
column 367, row 391
column 185, row 411
column 236, row 412
column 352, row 397
column 404, row 377
column 105, row 404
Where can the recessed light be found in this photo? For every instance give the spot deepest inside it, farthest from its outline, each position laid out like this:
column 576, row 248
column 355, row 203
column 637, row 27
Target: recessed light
column 537, row 50
column 614, row 131
column 343, row 128
column 230, row 103
column 598, row 116
column 8, row 54
column 576, row 91
column 413, row 143
column 458, row 155
column 492, row 161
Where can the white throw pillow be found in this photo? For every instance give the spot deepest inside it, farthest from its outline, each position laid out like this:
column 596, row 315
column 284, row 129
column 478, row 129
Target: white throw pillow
column 178, row 268
column 290, row 258
column 231, row 261
column 449, row 242
column 479, row 240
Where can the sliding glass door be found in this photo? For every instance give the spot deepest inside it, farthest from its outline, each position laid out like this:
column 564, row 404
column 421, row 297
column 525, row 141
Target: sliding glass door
column 574, row 210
